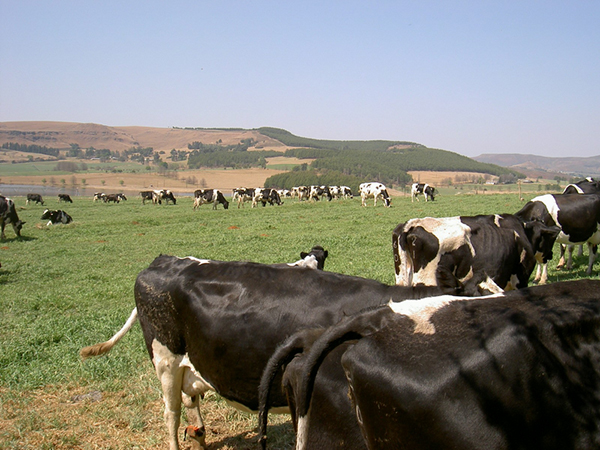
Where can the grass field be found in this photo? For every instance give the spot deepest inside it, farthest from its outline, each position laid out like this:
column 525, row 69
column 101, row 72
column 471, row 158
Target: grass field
column 65, row 287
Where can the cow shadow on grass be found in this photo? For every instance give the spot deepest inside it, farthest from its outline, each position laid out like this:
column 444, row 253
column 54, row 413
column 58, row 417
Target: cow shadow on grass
column 280, row 437
column 8, row 240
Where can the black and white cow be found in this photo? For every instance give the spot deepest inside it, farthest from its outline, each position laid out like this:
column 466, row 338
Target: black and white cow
column 56, row 216
column 147, row 195
column 500, row 249
column 577, row 216
column 163, row 194
column 374, row 191
column 316, row 193
column 8, row 214
column 37, row 198
column 265, row 196
column 64, row 198
column 587, row 186
column 242, row 195
column 102, row 196
column 346, row 192
column 518, row 370
column 213, row 325
column 425, row 189
column 214, row 196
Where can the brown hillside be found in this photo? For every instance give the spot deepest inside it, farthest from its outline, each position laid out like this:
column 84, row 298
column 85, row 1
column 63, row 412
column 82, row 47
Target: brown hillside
column 63, row 134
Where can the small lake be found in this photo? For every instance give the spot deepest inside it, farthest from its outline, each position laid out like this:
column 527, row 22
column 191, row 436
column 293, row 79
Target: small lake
column 22, row 190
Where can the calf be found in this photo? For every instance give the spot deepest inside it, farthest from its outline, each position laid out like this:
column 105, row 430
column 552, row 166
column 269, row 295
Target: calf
column 213, row 196
column 514, row 370
column 576, row 215
column 56, row 216
column 422, row 188
column 500, row 248
column 37, row 198
column 374, row 191
column 212, row 325
column 8, row 214
column 64, row 198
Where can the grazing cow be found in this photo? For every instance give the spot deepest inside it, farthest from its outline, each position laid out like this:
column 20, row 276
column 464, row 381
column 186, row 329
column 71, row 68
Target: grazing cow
column 56, row 216
column 422, row 188
column 64, row 198
column 374, row 191
column 37, row 198
column 266, row 196
column 499, row 247
column 116, row 198
column 346, row 192
column 147, row 195
column 212, row 325
column 242, row 195
column 335, row 191
column 318, row 192
column 163, row 194
column 576, row 215
column 518, row 370
column 8, row 214
column 213, row 196
column 121, row 196
column 284, row 193
column 102, row 196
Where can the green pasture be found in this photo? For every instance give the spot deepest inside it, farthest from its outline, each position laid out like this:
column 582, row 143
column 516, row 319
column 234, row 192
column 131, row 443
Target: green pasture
column 47, row 168
column 68, row 286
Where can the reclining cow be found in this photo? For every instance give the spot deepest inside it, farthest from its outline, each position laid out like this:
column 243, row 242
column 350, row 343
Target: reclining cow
column 56, row 216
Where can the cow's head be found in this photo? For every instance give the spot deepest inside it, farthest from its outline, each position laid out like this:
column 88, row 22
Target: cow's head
column 542, row 239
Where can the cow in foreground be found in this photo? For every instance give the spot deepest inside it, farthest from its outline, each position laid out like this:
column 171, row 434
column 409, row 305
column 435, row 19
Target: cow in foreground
column 499, row 248
column 212, row 325
column 8, row 214
column 214, row 196
column 37, row 198
column 517, row 370
column 64, row 198
column 577, row 216
column 424, row 189
column 56, row 216
column 374, row 191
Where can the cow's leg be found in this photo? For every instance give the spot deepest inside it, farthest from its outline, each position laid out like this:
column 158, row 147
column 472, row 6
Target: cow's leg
column 195, row 418
column 544, row 277
column 2, row 235
column 570, row 249
column 561, row 261
column 170, row 375
column 580, row 252
column 592, row 249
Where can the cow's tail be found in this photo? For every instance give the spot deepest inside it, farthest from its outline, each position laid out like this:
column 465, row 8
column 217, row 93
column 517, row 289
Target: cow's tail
column 349, row 329
column 283, row 354
column 105, row 347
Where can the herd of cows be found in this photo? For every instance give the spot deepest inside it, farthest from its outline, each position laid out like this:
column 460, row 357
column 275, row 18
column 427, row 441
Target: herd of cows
column 459, row 354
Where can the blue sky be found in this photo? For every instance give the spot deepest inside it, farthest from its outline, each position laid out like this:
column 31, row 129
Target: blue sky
column 471, row 77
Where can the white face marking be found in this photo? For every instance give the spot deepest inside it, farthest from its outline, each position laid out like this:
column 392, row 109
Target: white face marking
column 421, row 311
column 491, row 286
column 309, row 261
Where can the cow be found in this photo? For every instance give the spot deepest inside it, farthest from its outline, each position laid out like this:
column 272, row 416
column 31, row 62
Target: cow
column 335, row 191
column 500, row 247
column 374, row 191
column 56, row 216
column 147, row 195
column 212, row 325
column 37, row 198
column 315, row 259
column 587, row 186
column 102, row 196
column 265, row 196
column 576, row 215
column 121, row 196
column 425, row 189
column 284, row 193
column 213, row 196
column 163, row 194
column 64, row 198
column 316, row 193
column 8, row 214
column 519, row 369
column 116, row 198
column 346, row 192
column 242, row 195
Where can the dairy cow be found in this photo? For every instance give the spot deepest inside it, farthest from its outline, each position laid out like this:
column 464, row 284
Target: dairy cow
column 37, row 198
column 214, row 196
column 56, row 216
column 147, row 195
column 374, row 191
column 587, row 186
column 242, row 195
column 102, row 196
column 212, row 325
column 265, row 196
column 64, row 198
column 576, row 215
column 8, row 214
column 500, row 249
column 424, row 189
column 163, row 194
column 519, row 369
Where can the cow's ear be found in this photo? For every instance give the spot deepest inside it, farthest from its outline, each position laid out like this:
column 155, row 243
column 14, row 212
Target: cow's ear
column 303, row 255
column 326, row 253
